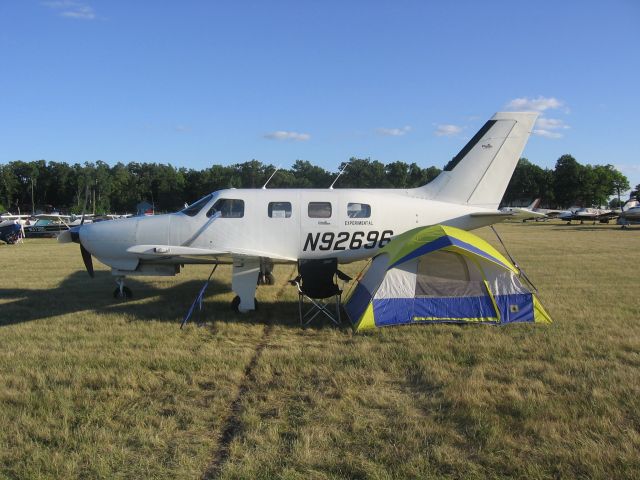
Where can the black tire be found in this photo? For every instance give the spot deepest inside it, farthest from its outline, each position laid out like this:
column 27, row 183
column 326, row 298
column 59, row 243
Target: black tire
column 12, row 238
column 125, row 295
column 235, row 304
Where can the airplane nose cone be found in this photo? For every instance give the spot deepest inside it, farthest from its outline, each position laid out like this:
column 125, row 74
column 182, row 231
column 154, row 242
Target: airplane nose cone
column 107, row 236
column 108, row 240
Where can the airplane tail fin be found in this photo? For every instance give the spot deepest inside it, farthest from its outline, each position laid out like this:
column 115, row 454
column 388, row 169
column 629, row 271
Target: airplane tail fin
column 480, row 173
column 534, row 204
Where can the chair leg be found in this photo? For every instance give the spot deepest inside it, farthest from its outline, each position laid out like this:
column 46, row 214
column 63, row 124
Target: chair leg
column 316, row 308
column 300, row 300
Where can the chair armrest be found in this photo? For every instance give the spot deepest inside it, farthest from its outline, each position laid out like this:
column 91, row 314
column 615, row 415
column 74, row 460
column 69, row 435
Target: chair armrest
column 343, row 276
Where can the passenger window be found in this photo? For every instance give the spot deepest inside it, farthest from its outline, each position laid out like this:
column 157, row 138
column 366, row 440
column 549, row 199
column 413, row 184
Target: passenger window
column 358, row 210
column 279, row 209
column 227, row 208
column 319, row 210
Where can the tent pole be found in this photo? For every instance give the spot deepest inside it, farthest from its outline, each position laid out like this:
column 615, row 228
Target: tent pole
column 522, row 272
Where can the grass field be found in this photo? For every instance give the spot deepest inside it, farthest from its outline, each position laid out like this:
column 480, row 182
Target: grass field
column 95, row 388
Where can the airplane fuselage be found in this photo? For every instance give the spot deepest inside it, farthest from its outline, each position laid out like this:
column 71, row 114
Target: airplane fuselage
column 281, row 224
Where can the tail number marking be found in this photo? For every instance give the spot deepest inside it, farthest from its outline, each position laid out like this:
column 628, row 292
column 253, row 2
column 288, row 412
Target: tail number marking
column 331, row 241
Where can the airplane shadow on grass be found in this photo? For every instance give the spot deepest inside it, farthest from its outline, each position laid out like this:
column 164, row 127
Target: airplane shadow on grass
column 79, row 294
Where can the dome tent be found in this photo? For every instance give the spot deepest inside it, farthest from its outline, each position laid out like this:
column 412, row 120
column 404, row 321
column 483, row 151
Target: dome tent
column 441, row 274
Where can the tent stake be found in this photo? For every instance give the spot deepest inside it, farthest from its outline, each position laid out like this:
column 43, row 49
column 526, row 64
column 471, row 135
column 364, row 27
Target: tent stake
column 198, row 300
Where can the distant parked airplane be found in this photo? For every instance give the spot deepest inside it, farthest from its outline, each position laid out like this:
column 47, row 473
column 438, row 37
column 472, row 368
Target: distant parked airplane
column 589, row 214
column 525, row 213
column 630, row 214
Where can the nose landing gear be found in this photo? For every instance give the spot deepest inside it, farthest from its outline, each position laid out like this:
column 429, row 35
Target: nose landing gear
column 122, row 292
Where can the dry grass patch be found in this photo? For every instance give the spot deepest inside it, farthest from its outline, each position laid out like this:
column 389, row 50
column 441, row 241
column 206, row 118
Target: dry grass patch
column 93, row 388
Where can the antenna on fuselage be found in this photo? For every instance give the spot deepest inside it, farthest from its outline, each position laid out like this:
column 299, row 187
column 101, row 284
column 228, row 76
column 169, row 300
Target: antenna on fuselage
column 269, row 179
column 339, row 174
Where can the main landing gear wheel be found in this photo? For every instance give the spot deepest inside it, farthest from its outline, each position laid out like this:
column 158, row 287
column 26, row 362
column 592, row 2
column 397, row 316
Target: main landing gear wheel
column 235, row 303
column 124, row 294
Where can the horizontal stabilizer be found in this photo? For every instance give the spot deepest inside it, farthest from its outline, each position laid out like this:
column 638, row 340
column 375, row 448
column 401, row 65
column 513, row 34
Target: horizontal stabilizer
column 492, row 214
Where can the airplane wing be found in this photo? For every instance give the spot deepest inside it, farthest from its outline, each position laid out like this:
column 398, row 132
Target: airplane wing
column 170, row 251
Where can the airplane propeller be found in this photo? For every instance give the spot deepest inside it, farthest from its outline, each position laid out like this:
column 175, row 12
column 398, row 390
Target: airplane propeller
column 86, row 258
column 73, row 235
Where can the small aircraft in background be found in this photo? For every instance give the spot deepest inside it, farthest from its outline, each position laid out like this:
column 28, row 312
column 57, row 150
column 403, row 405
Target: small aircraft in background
column 51, row 224
column 525, row 213
column 554, row 213
column 589, row 214
column 252, row 229
column 630, row 214
column 10, row 231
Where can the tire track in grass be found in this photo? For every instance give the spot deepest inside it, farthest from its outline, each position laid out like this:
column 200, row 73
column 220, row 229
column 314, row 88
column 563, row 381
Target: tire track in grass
column 232, row 425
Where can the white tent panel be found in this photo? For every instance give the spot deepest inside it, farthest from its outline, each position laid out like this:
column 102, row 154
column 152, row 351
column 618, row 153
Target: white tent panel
column 399, row 282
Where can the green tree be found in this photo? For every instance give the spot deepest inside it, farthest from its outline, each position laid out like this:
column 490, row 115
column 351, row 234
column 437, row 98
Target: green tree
column 310, row 176
column 567, row 182
column 528, row 182
column 362, row 173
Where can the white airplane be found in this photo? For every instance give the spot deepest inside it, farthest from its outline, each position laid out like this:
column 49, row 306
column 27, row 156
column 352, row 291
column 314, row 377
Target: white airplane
column 254, row 228
column 589, row 214
column 630, row 214
column 21, row 219
column 525, row 213
column 554, row 213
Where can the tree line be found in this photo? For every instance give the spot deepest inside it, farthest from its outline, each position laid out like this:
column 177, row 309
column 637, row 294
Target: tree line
column 119, row 188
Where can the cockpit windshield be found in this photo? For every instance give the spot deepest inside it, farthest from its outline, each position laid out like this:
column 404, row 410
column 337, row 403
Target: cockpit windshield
column 193, row 209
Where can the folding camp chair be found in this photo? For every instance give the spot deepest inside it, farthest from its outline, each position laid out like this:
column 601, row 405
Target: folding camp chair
column 316, row 282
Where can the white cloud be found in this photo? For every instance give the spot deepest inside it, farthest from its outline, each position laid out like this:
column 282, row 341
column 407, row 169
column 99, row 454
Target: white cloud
column 72, row 9
column 394, row 132
column 549, row 127
column 284, row 135
column 447, row 130
column 539, row 104
column 182, row 128
column 546, row 133
column 551, row 124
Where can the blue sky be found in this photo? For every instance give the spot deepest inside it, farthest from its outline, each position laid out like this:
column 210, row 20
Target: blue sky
column 194, row 83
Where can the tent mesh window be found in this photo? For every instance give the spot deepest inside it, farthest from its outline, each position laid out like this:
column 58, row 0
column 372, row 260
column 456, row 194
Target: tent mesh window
column 447, row 274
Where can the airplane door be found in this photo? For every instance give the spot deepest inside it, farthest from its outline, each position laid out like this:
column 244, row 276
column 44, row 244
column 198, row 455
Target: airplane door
column 318, row 226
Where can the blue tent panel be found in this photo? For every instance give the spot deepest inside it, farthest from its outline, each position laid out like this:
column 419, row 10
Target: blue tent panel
column 358, row 302
column 395, row 311
column 517, row 307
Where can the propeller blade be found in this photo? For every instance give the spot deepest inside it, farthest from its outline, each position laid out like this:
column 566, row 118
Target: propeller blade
column 65, row 237
column 86, row 258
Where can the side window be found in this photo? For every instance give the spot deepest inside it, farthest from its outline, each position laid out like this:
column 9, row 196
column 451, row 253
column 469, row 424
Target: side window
column 279, row 209
column 358, row 210
column 319, row 210
column 227, row 208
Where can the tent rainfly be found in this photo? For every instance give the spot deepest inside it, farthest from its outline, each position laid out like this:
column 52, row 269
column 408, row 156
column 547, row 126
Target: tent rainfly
column 441, row 274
